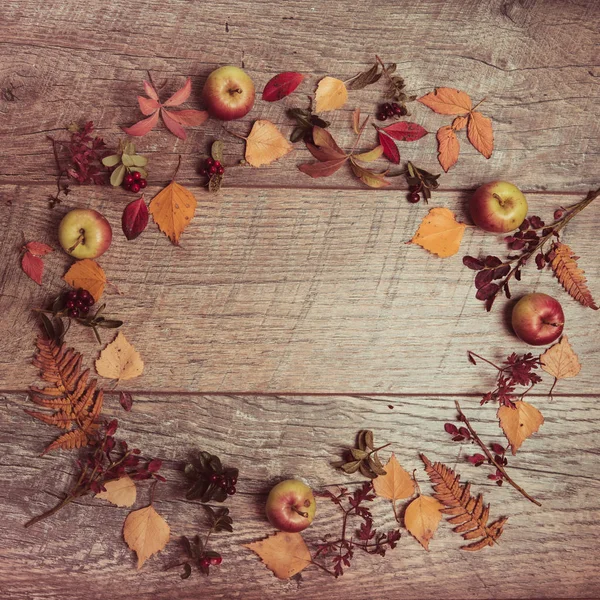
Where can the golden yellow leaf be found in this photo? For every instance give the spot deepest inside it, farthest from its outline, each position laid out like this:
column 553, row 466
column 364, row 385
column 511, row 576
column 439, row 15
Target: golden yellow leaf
column 371, row 155
column 422, row 518
column 284, row 553
column 519, row 423
column 145, row 532
column 172, row 209
column 331, row 94
column 265, row 144
column 396, row 484
column 440, row 232
column 560, row 360
column 480, row 133
column 119, row 360
column 120, row 492
column 87, row 274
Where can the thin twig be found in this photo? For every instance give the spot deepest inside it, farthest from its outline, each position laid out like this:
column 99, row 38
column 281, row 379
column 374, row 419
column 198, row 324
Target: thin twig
column 490, row 457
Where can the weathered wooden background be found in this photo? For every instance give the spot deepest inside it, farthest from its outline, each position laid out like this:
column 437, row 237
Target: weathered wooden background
column 293, row 314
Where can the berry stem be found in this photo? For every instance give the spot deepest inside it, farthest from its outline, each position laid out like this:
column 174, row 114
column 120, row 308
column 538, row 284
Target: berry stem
column 490, row 456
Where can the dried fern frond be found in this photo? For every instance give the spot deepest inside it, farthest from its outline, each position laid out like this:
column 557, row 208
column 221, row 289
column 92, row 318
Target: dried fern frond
column 75, row 401
column 571, row 277
column 469, row 514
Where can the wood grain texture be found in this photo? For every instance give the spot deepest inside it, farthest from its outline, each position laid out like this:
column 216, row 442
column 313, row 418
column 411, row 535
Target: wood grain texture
column 303, row 292
column 272, row 437
column 536, row 62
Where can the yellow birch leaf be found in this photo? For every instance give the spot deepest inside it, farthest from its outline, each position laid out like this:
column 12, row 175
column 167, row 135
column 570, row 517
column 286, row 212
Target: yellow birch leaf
column 172, row 209
column 396, row 484
column 519, row 423
column 119, row 360
column 87, row 274
column 331, row 94
column 440, row 232
column 422, row 517
column 265, row 144
column 286, row 554
column 120, row 492
column 560, row 360
column 145, row 532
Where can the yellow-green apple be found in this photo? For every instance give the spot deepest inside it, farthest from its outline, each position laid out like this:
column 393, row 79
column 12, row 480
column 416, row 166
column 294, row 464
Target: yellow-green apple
column 228, row 93
column 498, row 207
column 84, row 233
column 538, row 319
column 291, row 506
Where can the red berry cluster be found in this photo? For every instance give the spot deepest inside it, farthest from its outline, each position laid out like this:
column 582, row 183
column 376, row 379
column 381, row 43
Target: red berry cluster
column 78, row 302
column 224, row 482
column 134, row 182
column 414, row 194
column 390, row 110
column 212, row 167
column 205, row 562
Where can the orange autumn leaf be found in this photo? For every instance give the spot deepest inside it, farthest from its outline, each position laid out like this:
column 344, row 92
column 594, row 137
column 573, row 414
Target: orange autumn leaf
column 422, row 517
column 396, row 484
column 145, row 532
column 265, row 144
column 459, row 123
column 172, row 209
column 448, row 147
column 560, row 360
column 440, row 232
column 447, row 101
column 87, row 274
column 480, row 133
column 331, row 94
column 519, row 423
column 286, row 554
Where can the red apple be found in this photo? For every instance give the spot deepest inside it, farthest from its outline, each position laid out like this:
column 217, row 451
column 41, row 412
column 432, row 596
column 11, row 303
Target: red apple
column 291, row 506
column 84, row 233
column 228, row 93
column 498, row 207
column 538, row 319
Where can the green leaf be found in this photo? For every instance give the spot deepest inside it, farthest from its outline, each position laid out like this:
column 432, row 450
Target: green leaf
column 129, row 148
column 127, row 160
column 111, row 161
column 116, row 179
column 216, row 150
column 138, row 160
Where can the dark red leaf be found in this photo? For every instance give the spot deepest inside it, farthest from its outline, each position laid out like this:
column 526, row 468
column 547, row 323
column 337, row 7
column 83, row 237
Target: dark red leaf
column 33, row 267
column 536, row 222
column 281, row 85
column 322, row 169
column 451, row 428
column 487, row 291
column 524, row 225
column 159, row 477
column 540, row 261
column 476, row 459
column 517, row 245
column 126, row 400
column 483, row 278
column 458, row 438
column 464, row 432
column 135, row 218
column 497, row 448
column 501, row 271
column 473, row 263
column 492, row 262
column 404, row 131
column 390, row 150
column 154, row 465
column 324, row 153
column 111, row 428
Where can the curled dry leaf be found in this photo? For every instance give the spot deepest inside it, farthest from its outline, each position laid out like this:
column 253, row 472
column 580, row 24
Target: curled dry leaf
column 281, row 85
column 119, row 360
column 331, row 94
column 422, row 517
column 135, row 218
column 286, row 554
column 440, row 232
column 126, row 401
column 120, row 492
column 265, row 144
column 448, row 147
column 519, row 423
column 560, row 360
column 145, row 532
column 87, row 274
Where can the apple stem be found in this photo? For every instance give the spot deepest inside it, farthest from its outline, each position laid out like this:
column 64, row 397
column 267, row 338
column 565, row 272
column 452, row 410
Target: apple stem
column 236, row 91
column 490, row 457
column 301, row 513
column 80, row 240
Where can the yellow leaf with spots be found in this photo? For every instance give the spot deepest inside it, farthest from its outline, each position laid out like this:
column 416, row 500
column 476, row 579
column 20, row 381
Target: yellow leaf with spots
column 422, row 517
column 172, row 210
column 145, row 532
column 120, row 492
column 265, row 144
column 560, row 360
column 119, row 360
column 286, row 554
column 519, row 423
column 89, row 275
column 331, row 94
column 440, row 232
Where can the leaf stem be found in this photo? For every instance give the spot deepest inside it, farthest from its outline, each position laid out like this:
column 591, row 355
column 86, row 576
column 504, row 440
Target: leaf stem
column 490, row 456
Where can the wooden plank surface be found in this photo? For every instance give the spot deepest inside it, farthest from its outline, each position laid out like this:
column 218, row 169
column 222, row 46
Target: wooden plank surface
column 268, row 437
column 287, row 286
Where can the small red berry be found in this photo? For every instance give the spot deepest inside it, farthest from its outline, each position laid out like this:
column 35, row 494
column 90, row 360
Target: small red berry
column 233, row 480
column 72, row 295
column 223, row 484
column 403, row 111
column 84, row 310
column 142, row 183
column 231, row 490
column 382, row 116
column 215, row 560
column 212, row 169
column 128, row 179
column 220, row 170
column 209, row 162
column 83, row 295
column 414, row 197
column 135, row 187
column 70, row 304
column 80, row 304
column 136, row 175
column 217, row 163
column 74, row 312
column 202, row 172
column 205, row 562
column 214, row 478
column 558, row 214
